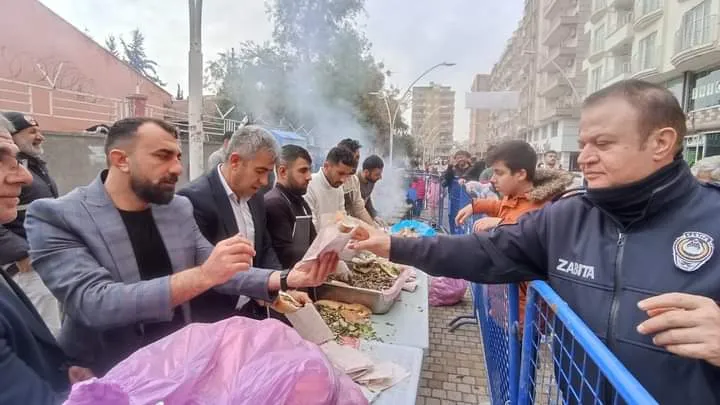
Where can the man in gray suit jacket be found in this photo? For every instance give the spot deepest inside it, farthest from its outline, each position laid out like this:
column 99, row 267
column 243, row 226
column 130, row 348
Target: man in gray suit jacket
column 124, row 254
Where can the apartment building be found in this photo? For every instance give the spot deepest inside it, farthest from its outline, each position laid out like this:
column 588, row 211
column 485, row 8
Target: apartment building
column 560, row 78
column 479, row 119
column 543, row 61
column 671, row 42
column 433, row 118
column 513, row 72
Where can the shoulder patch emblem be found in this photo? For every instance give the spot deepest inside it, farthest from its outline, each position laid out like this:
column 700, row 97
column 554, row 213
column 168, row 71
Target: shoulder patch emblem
column 691, row 250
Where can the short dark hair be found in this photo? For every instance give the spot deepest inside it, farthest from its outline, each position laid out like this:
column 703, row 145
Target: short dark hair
column 125, row 129
column 373, row 162
column 290, row 153
column 342, row 155
column 227, row 135
column 657, row 107
column 463, row 153
column 516, row 155
column 549, row 152
column 351, row 144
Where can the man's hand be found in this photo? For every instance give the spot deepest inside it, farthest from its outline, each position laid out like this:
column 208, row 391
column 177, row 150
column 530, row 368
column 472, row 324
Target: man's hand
column 312, row 273
column 684, row 324
column 379, row 245
column 464, row 214
column 24, row 265
column 282, row 306
column 78, row 374
column 485, row 224
column 229, row 257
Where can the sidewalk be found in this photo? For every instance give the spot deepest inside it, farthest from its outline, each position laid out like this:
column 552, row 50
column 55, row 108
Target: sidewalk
column 454, row 369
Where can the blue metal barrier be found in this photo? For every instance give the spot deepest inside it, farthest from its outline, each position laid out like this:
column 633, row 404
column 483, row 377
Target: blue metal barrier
column 563, row 362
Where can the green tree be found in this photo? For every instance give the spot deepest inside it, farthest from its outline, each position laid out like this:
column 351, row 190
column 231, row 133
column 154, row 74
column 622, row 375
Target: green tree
column 111, row 45
column 135, row 56
column 318, row 60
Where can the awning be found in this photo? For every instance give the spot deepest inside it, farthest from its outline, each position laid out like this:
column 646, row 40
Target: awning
column 289, row 138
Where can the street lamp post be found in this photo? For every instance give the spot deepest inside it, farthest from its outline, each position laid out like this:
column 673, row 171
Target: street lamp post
column 195, row 125
column 392, row 117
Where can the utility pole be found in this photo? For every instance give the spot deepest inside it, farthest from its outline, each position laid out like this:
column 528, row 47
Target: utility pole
column 195, row 65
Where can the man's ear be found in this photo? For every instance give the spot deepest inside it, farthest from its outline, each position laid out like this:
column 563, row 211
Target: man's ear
column 522, row 174
column 119, row 158
column 281, row 170
column 663, row 143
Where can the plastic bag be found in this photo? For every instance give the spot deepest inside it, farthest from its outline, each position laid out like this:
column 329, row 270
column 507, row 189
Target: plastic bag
column 235, row 361
column 446, row 291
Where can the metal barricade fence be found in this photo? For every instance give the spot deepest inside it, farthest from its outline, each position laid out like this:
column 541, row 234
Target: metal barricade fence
column 564, row 363
column 553, row 359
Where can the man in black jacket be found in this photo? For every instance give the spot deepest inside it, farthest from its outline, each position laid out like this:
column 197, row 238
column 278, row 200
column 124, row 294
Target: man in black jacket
column 226, row 203
column 289, row 218
column 29, row 139
column 634, row 256
column 33, row 369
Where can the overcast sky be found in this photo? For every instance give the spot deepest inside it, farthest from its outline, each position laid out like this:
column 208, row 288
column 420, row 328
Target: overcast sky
column 408, row 35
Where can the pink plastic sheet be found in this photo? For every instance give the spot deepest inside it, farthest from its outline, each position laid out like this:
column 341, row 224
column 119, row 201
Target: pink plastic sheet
column 235, row 361
column 446, row 291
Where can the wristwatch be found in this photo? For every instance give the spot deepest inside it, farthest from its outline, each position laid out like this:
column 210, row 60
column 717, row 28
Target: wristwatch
column 283, row 280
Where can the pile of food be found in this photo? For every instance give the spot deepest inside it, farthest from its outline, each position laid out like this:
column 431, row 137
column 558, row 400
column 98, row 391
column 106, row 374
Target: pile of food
column 408, row 233
column 371, row 272
column 347, row 320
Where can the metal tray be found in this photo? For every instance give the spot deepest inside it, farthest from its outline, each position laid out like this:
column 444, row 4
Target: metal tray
column 378, row 302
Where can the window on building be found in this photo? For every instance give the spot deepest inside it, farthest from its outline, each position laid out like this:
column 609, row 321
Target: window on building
column 596, row 79
column 676, row 88
column 572, row 163
column 696, row 26
column 647, row 52
column 598, row 42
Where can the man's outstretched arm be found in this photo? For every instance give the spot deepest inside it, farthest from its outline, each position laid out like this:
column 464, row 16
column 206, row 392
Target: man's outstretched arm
column 510, row 253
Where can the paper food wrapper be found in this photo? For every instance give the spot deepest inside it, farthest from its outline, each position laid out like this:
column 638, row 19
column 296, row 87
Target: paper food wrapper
column 329, row 239
column 309, row 324
column 348, row 360
column 383, row 376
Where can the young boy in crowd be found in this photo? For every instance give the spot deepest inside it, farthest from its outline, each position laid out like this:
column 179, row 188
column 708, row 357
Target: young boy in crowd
column 523, row 187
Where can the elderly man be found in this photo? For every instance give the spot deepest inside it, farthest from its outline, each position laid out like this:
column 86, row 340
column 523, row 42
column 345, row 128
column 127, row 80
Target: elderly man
column 226, row 203
column 218, row 156
column 124, row 255
column 643, row 232
column 34, row 369
column 13, row 243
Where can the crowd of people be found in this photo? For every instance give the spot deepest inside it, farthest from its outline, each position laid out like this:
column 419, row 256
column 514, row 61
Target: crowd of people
column 127, row 260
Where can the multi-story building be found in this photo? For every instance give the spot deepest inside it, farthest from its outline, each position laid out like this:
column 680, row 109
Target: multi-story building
column 671, row 42
column 560, row 81
column 543, row 63
column 433, row 118
column 479, row 119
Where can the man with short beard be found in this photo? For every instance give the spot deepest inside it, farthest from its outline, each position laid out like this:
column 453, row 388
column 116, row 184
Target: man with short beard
column 29, row 139
column 124, row 254
column 289, row 217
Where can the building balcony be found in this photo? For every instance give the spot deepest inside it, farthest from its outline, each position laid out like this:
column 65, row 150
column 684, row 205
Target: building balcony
column 562, row 109
column 559, row 56
column 621, row 4
column 598, row 11
column 646, row 12
column 620, row 33
column 620, row 70
column 553, row 86
column 553, row 6
column 696, row 46
column 559, row 28
column 646, row 64
column 597, row 50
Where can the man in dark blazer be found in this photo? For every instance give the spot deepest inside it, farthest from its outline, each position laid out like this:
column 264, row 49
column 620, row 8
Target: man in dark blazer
column 226, row 202
column 33, row 369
